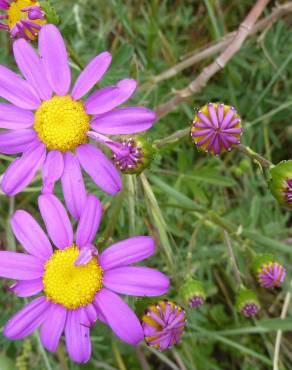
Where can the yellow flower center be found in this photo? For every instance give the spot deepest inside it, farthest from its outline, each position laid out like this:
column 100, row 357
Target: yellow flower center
column 69, row 285
column 61, row 123
column 15, row 14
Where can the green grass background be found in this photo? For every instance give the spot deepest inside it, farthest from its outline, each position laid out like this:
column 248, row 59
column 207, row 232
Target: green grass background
column 186, row 199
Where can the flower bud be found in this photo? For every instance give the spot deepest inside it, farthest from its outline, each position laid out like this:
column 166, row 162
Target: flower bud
column 247, row 302
column 268, row 271
column 22, row 18
column 193, row 293
column 137, row 155
column 163, row 324
column 280, row 182
column 216, row 128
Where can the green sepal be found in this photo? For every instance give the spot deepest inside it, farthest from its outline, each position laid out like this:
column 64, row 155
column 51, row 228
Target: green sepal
column 278, row 177
column 192, row 288
column 51, row 14
column 261, row 260
column 148, row 154
column 245, row 297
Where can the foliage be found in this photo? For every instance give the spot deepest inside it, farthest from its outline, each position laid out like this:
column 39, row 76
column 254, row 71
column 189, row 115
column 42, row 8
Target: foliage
column 186, row 199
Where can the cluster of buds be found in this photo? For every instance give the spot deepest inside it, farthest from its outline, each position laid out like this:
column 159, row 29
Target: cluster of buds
column 280, row 182
column 193, row 293
column 268, row 271
column 247, row 302
column 216, row 128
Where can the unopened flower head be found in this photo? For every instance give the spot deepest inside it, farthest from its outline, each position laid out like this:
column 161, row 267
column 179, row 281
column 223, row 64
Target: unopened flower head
column 163, row 324
column 77, row 285
column 50, row 123
column 280, row 182
column 216, row 128
column 193, row 293
column 247, row 302
column 133, row 155
column 22, row 18
column 268, row 271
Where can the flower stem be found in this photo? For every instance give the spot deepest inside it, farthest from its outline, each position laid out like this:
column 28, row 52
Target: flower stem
column 74, row 57
column 232, row 257
column 279, row 332
column 254, row 156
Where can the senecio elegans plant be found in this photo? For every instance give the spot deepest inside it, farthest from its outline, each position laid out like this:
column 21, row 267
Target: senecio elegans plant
column 65, row 129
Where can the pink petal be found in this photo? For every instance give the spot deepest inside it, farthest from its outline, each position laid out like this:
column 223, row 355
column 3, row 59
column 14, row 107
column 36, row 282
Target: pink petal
column 16, row 141
column 77, row 337
column 27, row 320
column 31, row 67
column 55, row 59
column 128, row 120
column 30, row 235
column 127, row 251
column 53, row 327
column 119, row 316
column 91, row 74
column 89, row 221
column 20, row 266
column 17, row 91
column 99, row 168
column 73, row 185
column 15, row 118
column 52, row 170
column 27, row 288
column 136, row 280
column 22, row 170
column 56, row 220
column 108, row 98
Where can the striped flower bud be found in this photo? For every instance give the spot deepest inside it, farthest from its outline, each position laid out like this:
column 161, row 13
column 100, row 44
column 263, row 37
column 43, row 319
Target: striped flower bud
column 193, row 293
column 163, row 324
column 280, row 182
column 216, row 128
column 247, row 302
column 268, row 271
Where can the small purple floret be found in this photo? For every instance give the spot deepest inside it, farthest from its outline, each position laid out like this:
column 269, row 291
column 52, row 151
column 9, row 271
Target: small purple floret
column 271, row 275
column 196, row 302
column 250, row 309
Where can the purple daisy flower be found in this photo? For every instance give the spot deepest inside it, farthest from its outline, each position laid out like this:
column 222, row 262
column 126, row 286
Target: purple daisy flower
column 51, row 130
column 250, row 309
column 163, row 324
column 23, row 18
column 271, row 275
column 216, row 128
column 78, row 286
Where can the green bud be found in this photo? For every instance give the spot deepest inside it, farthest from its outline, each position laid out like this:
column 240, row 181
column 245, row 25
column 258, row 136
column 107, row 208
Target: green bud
column 280, row 182
column 51, row 14
column 247, row 302
column 193, row 293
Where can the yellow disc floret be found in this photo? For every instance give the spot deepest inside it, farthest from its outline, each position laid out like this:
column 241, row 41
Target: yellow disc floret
column 62, row 123
column 15, row 14
column 69, row 285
